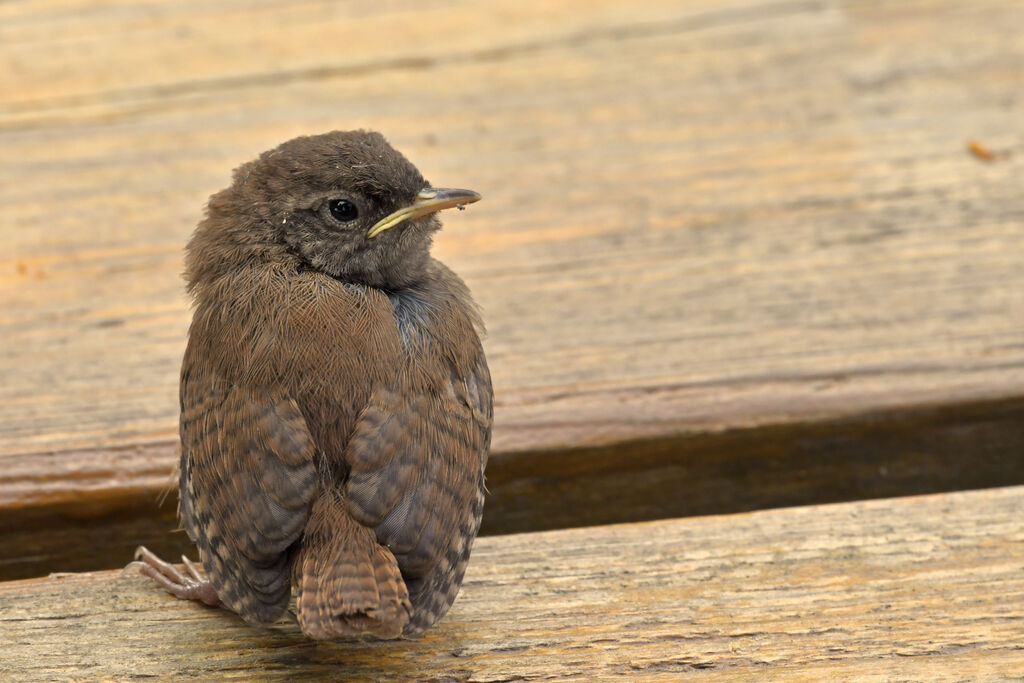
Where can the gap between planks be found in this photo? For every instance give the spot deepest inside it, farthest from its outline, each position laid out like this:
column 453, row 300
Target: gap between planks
column 75, row 525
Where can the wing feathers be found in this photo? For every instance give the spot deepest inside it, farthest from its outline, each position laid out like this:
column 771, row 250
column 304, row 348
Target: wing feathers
column 248, row 480
column 416, row 477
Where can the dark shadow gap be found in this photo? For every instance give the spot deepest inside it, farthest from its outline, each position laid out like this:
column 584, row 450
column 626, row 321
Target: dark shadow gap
column 961, row 447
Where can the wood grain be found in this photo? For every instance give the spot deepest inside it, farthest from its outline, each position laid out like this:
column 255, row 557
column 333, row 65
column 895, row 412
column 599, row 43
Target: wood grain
column 698, row 217
column 926, row 588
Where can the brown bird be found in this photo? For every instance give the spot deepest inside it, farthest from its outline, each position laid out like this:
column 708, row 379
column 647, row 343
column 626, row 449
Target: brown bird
column 335, row 400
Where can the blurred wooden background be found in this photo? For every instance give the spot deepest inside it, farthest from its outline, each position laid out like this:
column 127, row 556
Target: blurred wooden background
column 732, row 255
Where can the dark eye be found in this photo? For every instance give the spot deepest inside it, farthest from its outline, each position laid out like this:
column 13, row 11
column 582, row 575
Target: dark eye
column 343, row 210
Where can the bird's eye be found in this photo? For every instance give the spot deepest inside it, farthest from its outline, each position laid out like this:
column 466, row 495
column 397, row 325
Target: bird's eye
column 343, row 210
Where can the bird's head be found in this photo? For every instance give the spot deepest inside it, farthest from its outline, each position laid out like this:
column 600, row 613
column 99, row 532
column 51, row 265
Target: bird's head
column 344, row 203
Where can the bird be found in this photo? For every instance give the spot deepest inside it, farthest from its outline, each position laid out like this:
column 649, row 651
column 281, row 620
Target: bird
column 335, row 400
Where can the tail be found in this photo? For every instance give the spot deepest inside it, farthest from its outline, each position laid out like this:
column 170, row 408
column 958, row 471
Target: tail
column 347, row 583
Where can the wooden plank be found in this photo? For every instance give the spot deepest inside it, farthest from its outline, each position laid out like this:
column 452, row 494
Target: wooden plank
column 699, row 217
column 926, row 588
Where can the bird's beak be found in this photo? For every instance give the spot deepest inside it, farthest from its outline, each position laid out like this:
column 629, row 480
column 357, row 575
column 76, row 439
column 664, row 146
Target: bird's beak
column 429, row 200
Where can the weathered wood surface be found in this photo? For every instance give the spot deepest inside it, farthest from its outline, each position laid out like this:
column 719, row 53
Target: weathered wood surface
column 927, row 588
column 699, row 216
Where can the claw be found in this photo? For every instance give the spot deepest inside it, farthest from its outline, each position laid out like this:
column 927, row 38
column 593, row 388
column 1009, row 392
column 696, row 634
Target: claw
column 193, row 587
column 192, row 569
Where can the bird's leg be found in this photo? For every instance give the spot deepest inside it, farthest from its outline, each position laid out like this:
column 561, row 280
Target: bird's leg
column 191, row 587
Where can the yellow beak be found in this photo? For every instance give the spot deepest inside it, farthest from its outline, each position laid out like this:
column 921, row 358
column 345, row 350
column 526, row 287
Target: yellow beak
column 429, row 200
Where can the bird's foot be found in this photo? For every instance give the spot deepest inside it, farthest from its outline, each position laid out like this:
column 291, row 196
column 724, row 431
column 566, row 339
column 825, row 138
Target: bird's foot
column 185, row 587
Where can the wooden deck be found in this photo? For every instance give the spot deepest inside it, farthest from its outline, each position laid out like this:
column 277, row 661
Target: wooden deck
column 733, row 256
column 928, row 588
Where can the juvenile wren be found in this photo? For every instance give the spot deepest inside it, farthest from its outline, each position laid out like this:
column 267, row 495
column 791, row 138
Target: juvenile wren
column 336, row 404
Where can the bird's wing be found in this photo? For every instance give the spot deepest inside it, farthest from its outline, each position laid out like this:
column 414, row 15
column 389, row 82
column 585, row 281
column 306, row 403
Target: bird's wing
column 416, row 477
column 247, row 484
